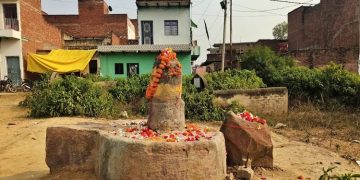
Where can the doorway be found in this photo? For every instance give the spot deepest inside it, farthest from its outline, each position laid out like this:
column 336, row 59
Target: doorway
column 13, row 69
column 93, row 67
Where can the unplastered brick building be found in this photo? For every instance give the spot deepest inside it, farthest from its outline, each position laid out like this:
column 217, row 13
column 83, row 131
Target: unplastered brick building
column 328, row 31
column 94, row 24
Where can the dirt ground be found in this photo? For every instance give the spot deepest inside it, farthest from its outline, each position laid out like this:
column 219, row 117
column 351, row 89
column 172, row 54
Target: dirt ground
column 22, row 149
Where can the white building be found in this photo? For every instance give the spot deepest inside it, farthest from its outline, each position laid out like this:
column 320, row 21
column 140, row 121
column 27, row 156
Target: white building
column 11, row 60
column 164, row 22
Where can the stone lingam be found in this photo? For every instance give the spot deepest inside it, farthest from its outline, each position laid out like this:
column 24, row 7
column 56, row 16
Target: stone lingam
column 164, row 147
column 164, row 94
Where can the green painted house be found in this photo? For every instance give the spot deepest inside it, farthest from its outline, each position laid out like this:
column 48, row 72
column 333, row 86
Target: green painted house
column 162, row 24
column 127, row 60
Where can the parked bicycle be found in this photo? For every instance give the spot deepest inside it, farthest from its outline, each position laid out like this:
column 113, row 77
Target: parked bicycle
column 26, row 85
column 7, row 85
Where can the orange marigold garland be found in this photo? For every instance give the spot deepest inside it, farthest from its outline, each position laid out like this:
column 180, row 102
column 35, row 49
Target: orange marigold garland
column 166, row 64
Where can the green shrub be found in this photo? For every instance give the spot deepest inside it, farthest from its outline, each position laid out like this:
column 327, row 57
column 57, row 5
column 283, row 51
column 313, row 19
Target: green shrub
column 301, row 82
column 69, row 96
column 130, row 89
column 329, row 85
column 201, row 106
column 265, row 63
column 233, row 79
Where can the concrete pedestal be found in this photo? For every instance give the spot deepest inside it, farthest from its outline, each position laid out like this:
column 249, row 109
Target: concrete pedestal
column 91, row 150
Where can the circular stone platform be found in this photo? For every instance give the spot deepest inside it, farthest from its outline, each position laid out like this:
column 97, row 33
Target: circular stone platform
column 93, row 149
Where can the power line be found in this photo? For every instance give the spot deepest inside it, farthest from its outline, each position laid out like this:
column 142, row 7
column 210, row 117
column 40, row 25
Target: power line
column 292, row 2
column 258, row 10
column 268, row 10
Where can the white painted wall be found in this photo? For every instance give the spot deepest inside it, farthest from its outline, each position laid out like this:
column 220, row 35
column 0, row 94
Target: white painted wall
column 131, row 30
column 10, row 47
column 158, row 15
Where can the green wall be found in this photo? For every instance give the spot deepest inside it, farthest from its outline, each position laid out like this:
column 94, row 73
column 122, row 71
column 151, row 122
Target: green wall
column 145, row 60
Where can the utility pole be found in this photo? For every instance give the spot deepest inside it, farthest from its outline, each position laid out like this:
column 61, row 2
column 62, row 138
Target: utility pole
column 231, row 34
column 224, row 6
column 359, row 36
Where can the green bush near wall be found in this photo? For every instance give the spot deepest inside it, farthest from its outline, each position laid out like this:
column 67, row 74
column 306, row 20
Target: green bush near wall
column 329, row 86
column 265, row 62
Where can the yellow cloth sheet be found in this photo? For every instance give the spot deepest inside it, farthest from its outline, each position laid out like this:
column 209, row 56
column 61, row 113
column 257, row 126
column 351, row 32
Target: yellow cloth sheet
column 63, row 61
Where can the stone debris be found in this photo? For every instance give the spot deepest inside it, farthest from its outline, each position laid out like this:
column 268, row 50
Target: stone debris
column 230, row 176
column 11, row 124
column 356, row 141
column 244, row 172
column 124, row 115
column 280, row 126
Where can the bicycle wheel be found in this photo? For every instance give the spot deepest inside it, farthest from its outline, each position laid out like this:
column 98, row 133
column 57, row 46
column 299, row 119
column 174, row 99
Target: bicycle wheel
column 10, row 88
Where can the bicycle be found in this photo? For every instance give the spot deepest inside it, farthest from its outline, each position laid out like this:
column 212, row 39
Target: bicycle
column 7, row 85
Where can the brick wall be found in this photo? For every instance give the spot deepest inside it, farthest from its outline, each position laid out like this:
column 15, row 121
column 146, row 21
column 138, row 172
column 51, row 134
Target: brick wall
column 266, row 101
column 330, row 24
column 93, row 21
column 37, row 33
column 348, row 57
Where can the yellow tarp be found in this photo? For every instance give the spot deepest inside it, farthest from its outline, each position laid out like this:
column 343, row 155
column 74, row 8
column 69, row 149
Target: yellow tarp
column 63, row 61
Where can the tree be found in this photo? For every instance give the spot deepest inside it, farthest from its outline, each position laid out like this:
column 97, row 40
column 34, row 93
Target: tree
column 280, row 31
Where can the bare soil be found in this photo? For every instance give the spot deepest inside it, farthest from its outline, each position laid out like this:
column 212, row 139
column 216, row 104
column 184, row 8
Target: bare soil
column 22, row 148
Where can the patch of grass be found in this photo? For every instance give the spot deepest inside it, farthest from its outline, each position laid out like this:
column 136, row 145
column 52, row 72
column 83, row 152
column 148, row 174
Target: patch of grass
column 307, row 116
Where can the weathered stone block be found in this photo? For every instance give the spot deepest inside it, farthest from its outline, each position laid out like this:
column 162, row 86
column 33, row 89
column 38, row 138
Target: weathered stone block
column 71, row 149
column 245, row 138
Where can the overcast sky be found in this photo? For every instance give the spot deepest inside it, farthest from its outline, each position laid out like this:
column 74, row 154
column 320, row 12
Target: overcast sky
column 252, row 19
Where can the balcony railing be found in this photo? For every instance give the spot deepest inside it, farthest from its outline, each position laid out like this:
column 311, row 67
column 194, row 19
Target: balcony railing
column 11, row 23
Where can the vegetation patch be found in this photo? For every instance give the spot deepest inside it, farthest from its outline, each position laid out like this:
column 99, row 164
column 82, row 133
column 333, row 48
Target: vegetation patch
column 69, row 96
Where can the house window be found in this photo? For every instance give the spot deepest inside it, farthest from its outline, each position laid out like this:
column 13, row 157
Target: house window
column 147, row 32
column 171, row 28
column 119, row 68
column 10, row 17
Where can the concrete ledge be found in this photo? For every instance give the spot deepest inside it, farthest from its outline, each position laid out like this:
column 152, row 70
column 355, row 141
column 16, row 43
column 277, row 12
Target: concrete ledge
column 252, row 92
column 267, row 101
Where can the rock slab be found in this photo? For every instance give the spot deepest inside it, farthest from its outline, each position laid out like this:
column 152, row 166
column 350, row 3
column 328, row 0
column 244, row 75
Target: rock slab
column 244, row 138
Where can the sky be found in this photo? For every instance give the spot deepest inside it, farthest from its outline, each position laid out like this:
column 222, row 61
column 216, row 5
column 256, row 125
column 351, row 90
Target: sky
column 252, row 19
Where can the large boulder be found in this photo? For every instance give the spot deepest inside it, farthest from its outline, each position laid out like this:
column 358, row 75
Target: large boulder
column 247, row 139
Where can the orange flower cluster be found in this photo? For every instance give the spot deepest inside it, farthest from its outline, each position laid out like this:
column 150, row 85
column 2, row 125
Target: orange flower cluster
column 166, row 64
